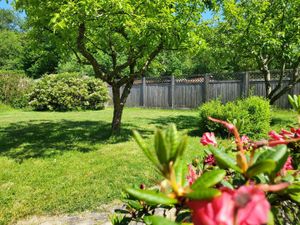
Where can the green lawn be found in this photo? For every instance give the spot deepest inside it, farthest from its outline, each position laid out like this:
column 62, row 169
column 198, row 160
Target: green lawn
column 55, row 163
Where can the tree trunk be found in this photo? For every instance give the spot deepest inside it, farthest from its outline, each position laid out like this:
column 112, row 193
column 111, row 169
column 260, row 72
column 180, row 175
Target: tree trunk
column 267, row 77
column 119, row 101
column 118, row 110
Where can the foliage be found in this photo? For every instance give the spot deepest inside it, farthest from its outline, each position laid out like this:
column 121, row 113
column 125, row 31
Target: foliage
column 40, row 56
column 244, row 185
column 251, row 115
column 65, row 92
column 132, row 34
column 10, row 50
column 266, row 32
column 14, row 88
column 295, row 103
column 9, row 20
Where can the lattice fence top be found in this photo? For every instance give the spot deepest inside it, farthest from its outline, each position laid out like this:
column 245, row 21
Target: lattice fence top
column 160, row 80
column 275, row 74
column 190, row 80
column 222, row 76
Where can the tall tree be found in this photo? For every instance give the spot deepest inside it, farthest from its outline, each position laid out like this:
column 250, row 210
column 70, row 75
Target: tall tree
column 119, row 38
column 10, row 40
column 267, row 31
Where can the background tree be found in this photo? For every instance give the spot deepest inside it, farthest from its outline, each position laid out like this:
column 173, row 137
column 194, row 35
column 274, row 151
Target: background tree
column 120, row 39
column 11, row 46
column 267, row 32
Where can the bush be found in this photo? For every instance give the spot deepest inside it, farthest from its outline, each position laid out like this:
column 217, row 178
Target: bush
column 251, row 115
column 65, row 92
column 14, row 88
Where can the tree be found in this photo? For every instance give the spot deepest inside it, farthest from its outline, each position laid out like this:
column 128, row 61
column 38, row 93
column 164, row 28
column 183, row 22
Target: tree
column 40, row 56
column 119, row 38
column 9, row 20
column 10, row 40
column 268, row 32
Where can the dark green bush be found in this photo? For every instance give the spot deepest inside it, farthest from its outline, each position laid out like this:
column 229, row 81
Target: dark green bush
column 14, row 88
column 252, row 116
column 65, row 92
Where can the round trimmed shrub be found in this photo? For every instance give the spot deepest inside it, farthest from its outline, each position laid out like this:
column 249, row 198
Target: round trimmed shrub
column 252, row 116
column 66, row 92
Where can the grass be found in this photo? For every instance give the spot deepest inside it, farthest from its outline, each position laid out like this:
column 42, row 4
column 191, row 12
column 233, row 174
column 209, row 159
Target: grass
column 54, row 163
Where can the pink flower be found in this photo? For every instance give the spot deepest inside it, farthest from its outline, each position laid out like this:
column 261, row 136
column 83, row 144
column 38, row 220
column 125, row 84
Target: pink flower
column 287, row 166
column 192, row 176
column 286, row 134
column 210, row 160
column 208, row 139
column 219, row 210
column 275, row 136
column 296, row 132
column 247, row 206
column 252, row 206
column 246, row 141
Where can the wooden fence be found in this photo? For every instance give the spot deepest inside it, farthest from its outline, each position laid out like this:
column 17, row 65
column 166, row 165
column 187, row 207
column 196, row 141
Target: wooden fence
column 194, row 91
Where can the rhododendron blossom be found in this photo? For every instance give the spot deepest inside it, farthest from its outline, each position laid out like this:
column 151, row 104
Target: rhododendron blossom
column 246, row 141
column 210, row 160
column 287, row 166
column 275, row 136
column 208, row 138
column 219, row 210
column 296, row 132
column 192, row 176
column 252, row 206
column 246, row 205
column 286, row 133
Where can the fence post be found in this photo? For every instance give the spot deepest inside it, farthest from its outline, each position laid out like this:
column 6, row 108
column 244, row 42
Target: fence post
column 206, row 87
column 144, row 92
column 172, row 93
column 245, row 85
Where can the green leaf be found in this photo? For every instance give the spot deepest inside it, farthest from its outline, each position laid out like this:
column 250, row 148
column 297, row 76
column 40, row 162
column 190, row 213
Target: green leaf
column 172, row 140
column 265, row 166
column 182, row 146
column 203, row 194
column 180, row 172
column 140, row 141
column 279, row 154
column 134, row 204
column 209, row 179
column 161, row 147
column 270, row 218
column 224, row 160
column 293, row 191
column 151, row 197
column 158, row 220
column 227, row 184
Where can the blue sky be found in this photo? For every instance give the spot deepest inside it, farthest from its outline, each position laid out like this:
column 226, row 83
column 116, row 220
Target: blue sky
column 4, row 5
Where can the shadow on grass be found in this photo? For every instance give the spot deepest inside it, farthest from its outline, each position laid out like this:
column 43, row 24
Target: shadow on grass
column 283, row 122
column 39, row 139
column 189, row 123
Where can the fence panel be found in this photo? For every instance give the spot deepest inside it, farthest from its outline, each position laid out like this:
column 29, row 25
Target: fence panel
column 192, row 92
column 225, row 90
column 157, row 95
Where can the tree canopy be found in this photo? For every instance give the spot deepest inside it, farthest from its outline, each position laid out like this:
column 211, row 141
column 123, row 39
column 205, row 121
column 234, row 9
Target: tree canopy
column 119, row 38
column 268, row 33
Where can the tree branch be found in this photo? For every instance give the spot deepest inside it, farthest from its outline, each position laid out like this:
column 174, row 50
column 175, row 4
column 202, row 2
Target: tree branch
column 99, row 71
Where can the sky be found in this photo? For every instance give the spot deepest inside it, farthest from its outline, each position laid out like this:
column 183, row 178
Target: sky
column 4, row 5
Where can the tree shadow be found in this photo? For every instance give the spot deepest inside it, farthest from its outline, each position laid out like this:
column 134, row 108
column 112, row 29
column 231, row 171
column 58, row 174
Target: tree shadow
column 40, row 139
column 182, row 122
column 283, row 122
